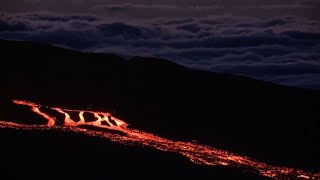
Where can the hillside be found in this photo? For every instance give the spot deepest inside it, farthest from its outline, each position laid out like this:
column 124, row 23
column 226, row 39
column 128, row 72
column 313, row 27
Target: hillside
column 269, row 122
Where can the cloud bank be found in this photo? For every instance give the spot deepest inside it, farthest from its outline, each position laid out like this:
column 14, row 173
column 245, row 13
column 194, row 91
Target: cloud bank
column 284, row 49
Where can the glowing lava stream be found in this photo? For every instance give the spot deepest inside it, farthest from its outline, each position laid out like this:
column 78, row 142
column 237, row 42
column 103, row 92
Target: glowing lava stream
column 200, row 154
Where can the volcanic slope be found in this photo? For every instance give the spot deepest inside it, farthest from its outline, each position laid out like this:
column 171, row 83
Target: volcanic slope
column 269, row 122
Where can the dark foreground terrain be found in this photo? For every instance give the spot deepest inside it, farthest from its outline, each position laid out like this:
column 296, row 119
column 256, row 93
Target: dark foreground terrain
column 56, row 155
column 268, row 122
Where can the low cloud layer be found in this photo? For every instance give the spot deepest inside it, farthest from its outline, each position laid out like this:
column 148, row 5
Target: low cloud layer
column 284, row 49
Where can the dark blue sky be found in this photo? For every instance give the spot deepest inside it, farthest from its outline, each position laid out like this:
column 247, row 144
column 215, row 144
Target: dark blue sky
column 274, row 40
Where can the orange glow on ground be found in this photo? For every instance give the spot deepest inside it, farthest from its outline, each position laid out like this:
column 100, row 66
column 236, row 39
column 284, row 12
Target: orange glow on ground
column 197, row 153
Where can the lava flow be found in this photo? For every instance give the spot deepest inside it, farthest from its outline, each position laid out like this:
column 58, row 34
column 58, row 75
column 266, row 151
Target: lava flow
column 197, row 153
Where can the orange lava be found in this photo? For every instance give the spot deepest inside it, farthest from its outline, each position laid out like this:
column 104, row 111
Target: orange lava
column 197, row 153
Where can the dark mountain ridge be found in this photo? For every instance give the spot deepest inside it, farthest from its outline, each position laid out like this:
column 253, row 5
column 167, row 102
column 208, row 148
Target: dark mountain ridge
column 269, row 122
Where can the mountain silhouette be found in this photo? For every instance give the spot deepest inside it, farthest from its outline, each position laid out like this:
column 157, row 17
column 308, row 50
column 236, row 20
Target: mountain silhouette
column 269, row 122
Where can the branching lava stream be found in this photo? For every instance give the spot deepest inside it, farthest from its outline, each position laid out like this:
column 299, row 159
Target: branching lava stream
column 197, row 153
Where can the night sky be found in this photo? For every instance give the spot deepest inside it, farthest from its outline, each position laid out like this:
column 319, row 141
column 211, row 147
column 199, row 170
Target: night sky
column 273, row 40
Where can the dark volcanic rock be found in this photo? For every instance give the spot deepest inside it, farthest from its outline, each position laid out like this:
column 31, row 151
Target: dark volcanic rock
column 59, row 155
column 269, row 122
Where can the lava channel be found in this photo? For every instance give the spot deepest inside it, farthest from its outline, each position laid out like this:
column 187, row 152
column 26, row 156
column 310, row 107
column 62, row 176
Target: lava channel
column 197, row 153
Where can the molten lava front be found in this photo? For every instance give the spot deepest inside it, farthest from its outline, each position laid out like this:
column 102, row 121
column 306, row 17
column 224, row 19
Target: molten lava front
column 197, row 153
